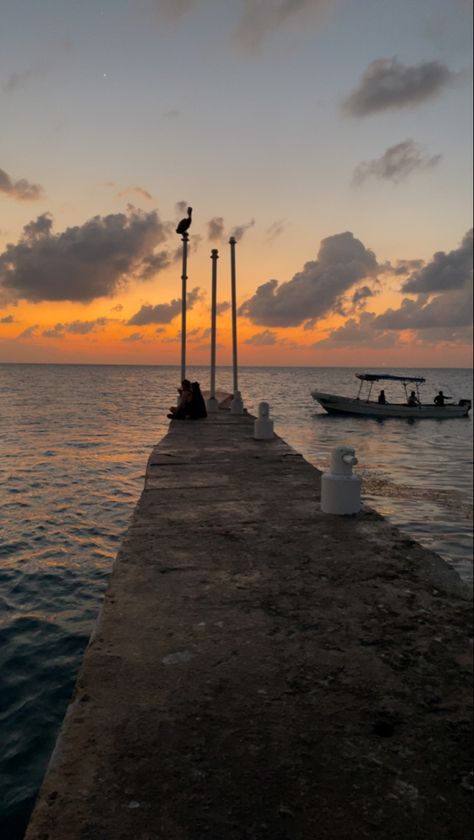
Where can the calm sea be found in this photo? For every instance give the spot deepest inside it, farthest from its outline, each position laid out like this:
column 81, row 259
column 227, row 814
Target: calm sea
column 73, row 449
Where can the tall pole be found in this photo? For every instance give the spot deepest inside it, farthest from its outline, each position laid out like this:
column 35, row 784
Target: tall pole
column 212, row 404
column 184, row 278
column 232, row 243
column 236, row 406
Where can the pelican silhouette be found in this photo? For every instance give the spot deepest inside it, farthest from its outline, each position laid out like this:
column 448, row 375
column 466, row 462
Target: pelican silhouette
column 185, row 224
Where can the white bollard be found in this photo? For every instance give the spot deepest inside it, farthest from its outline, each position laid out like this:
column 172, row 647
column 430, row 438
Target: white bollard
column 340, row 488
column 263, row 427
column 237, row 406
column 212, row 405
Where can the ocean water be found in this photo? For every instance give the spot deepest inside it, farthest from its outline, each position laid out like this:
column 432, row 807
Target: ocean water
column 74, row 442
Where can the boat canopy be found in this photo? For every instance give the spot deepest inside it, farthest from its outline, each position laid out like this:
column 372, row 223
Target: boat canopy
column 376, row 377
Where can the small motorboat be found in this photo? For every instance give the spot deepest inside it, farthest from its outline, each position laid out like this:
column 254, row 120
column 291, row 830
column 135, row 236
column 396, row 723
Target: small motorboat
column 413, row 407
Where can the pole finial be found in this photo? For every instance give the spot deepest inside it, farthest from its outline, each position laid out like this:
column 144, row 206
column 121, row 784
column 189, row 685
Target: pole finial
column 214, row 254
column 232, row 240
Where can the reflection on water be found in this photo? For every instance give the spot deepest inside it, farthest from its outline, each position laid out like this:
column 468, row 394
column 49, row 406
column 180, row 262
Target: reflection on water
column 75, row 441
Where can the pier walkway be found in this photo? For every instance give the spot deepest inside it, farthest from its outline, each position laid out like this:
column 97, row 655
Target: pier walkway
column 262, row 670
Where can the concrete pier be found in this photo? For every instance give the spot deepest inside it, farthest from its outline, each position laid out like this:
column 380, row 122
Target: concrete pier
column 261, row 669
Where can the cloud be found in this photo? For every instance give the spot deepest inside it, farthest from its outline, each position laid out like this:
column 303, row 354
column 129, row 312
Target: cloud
column 239, row 231
column 21, row 190
column 84, row 262
column 342, row 262
column 181, row 208
column 138, row 191
column 163, row 313
column 174, row 9
column 396, row 163
column 444, row 294
column 260, row 19
column 215, row 228
column 153, row 264
column 18, row 79
column 222, row 307
column 75, row 327
column 207, row 347
column 445, row 271
column 8, row 319
column 263, row 339
column 30, row 332
column 134, row 337
column 117, row 308
column 363, row 332
column 450, row 309
column 275, row 229
column 54, row 332
column 360, row 296
column 403, row 267
column 389, row 84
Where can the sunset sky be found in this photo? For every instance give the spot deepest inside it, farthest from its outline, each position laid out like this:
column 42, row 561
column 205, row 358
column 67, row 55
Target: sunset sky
column 331, row 137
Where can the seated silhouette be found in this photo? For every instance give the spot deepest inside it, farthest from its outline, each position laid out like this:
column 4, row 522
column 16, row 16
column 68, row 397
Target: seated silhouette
column 196, row 407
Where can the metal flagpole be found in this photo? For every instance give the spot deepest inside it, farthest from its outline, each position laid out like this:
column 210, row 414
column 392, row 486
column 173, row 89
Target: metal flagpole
column 236, row 406
column 212, row 404
column 184, row 278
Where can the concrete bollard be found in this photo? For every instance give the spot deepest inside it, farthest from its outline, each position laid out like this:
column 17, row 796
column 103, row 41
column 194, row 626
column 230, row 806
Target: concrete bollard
column 340, row 488
column 263, row 426
column 237, row 406
column 212, row 405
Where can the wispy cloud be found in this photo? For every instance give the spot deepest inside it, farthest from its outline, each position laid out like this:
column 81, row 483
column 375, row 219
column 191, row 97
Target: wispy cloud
column 396, row 163
column 275, row 229
column 215, row 229
column 21, row 190
column 263, row 339
column 140, row 192
column 264, row 17
column 163, row 313
column 174, row 9
column 389, row 84
column 239, row 231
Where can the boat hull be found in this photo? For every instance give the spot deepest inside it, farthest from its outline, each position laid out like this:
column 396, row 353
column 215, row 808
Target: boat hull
column 334, row 404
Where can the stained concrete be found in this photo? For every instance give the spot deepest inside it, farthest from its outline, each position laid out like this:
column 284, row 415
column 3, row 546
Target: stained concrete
column 262, row 670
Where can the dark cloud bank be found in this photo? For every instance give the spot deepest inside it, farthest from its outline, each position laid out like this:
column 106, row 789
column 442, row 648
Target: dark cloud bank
column 442, row 308
column 342, row 262
column 84, row 262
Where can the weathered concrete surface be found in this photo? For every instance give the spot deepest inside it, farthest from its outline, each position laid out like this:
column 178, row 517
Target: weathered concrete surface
column 261, row 670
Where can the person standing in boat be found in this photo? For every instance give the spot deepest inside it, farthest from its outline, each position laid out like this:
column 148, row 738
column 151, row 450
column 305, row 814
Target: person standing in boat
column 382, row 399
column 440, row 399
column 413, row 400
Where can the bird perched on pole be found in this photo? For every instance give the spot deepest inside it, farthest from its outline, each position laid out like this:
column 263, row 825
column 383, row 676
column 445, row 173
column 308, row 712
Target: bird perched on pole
column 185, row 224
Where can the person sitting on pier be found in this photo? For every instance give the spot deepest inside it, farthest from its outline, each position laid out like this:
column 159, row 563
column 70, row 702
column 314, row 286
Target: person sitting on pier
column 381, row 400
column 440, row 399
column 180, row 411
column 413, row 400
column 197, row 406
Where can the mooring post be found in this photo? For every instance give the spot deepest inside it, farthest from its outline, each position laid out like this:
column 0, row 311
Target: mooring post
column 212, row 404
column 184, row 278
column 340, row 488
column 236, row 406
